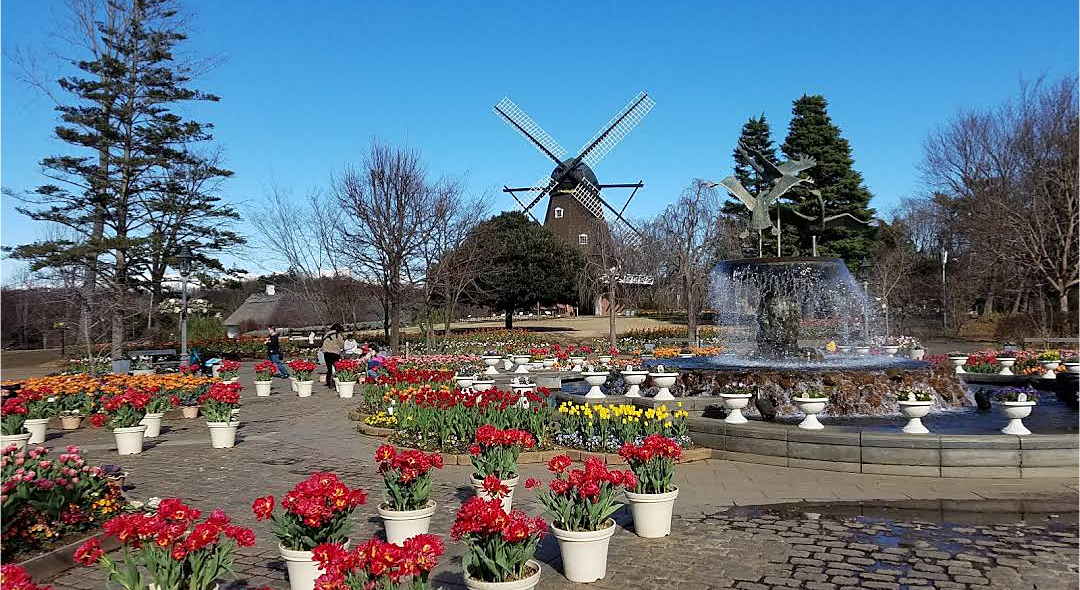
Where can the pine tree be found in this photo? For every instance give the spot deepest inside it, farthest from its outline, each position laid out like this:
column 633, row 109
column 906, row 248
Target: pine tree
column 813, row 133
column 755, row 134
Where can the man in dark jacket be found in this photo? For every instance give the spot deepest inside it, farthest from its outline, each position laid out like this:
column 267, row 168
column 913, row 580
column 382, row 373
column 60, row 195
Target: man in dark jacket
column 274, row 353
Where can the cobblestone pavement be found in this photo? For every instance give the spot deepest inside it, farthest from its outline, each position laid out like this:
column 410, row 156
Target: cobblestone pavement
column 284, row 438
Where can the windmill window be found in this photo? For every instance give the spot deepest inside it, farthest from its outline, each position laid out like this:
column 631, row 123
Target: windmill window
column 583, row 238
column 558, row 212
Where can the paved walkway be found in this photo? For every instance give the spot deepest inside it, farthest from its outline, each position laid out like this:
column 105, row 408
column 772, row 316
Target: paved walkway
column 284, row 438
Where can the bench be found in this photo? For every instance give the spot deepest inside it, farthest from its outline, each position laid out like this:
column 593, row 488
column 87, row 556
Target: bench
column 163, row 357
column 1047, row 342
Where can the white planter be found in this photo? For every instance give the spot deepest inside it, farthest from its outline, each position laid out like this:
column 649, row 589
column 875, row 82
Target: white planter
column 303, row 571
column 584, row 554
column 223, row 434
column 1073, row 368
column 142, row 372
column 345, row 388
column 19, row 440
column 189, row 411
column 595, row 379
column 862, row 350
column 507, row 500
column 129, row 441
column 483, row 384
column 577, row 362
column 605, row 359
column 1016, row 412
column 522, row 368
column 1049, row 366
column 292, row 383
column 917, row 353
column 734, row 403
column 1006, row 365
column 522, row 389
column 406, row 524
column 914, row 411
column 303, row 388
column 70, row 422
column 686, row 355
column 491, row 361
column 652, row 513
column 811, row 407
column 548, row 363
column 464, row 381
column 665, row 381
column 843, row 348
column 508, row 363
column 153, row 424
column 36, row 427
column 891, row 350
column 231, row 380
column 634, row 379
column 523, row 584
column 958, row 363
column 262, row 388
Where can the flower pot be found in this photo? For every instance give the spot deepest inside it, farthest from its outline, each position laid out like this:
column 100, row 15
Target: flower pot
column 345, row 389
column 522, row 390
column 491, row 361
column 734, row 404
column 1049, row 366
column 70, row 422
column 686, row 355
column 223, row 434
column 843, row 349
column 36, row 427
column 522, row 359
column 483, row 384
column 189, row 411
column 262, row 388
column 1016, row 412
column 891, row 350
column 406, row 524
column 595, row 379
column 652, row 513
column 153, row 424
column 142, row 372
column 548, row 363
column 526, row 583
column 292, row 383
column 811, row 407
column 915, row 411
column 129, row 441
column 664, row 381
column 507, row 500
column 634, row 379
column 19, row 440
column 917, row 353
column 303, row 571
column 231, row 380
column 303, row 388
column 1006, row 365
column 522, row 367
column 584, row 553
column 1073, row 368
column 605, row 359
column 862, row 350
column 958, row 363
column 464, row 381
column 577, row 362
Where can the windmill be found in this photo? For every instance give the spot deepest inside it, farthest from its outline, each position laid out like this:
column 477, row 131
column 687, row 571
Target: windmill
column 575, row 204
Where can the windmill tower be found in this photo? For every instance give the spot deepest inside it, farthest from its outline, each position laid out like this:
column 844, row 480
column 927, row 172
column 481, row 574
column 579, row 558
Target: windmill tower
column 575, row 203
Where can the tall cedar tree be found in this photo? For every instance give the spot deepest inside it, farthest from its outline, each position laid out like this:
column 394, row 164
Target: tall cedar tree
column 526, row 264
column 813, row 133
column 131, row 191
column 755, row 134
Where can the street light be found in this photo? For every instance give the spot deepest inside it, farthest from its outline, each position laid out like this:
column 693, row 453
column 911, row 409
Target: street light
column 183, row 262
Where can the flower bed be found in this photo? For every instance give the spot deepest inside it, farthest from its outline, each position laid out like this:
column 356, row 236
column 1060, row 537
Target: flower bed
column 607, row 428
column 89, row 390
column 985, row 361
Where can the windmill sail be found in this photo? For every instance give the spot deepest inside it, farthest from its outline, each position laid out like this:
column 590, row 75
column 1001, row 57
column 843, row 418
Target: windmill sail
column 589, row 196
column 529, row 129
column 616, row 129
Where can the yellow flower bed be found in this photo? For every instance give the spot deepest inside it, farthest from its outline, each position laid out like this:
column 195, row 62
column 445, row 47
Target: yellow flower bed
column 589, row 425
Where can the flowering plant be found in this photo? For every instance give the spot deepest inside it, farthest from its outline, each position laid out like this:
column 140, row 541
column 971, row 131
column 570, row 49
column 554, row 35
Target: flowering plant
column 314, row 512
column 12, row 416
column 14, row 577
column 175, row 551
column 653, row 463
column 499, row 544
column 812, row 393
column 1018, row 394
column 914, row 394
column 228, row 370
column 125, row 410
column 264, row 371
column 495, row 452
column 378, row 564
column 161, row 401
column 406, row 476
column 301, row 368
column 218, row 403
column 40, row 403
column 346, row 370
column 1050, row 355
column 584, row 499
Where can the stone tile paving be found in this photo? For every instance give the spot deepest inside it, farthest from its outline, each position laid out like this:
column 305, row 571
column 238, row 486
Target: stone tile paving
column 284, row 438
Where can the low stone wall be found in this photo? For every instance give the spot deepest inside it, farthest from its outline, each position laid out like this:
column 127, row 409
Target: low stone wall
column 855, row 450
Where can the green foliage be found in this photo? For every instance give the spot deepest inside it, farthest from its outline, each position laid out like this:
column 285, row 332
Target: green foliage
column 526, row 265
column 813, row 133
column 200, row 327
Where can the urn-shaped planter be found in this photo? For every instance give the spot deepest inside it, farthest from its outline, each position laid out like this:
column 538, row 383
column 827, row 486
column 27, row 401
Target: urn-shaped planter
column 665, row 381
column 522, row 390
column 508, row 363
column 464, row 381
column 262, row 388
column 223, row 434
column 303, row 388
column 891, row 350
column 70, row 422
column 491, row 362
column 734, row 403
column 915, row 411
column 811, row 407
column 584, row 553
column 1073, row 368
column 406, row 524
column 37, row 428
column 917, row 353
column 1006, row 363
column 843, row 348
column 1050, row 368
column 129, row 441
column 549, row 363
column 1016, row 412
column 958, row 363
column 862, row 350
column 507, row 500
column 19, row 440
column 483, row 384
column 686, row 355
column 595, row 379
column 577, row 362
column 652, row 513
column 153, row 424
column 634, row 379
column 345, row 388
column 605, row 359
column 526, row 583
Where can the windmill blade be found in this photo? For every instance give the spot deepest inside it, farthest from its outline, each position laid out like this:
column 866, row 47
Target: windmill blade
column 539, row 190
column 519, row 202
column 589, row 196
column 620, row 125
column 531, row 130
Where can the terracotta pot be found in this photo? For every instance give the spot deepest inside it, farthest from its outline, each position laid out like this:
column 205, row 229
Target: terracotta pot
column 189, row 411
column 70, row 422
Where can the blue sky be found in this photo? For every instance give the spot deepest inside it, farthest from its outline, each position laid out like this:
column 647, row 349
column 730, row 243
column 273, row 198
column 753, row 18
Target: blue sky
column 305, row 86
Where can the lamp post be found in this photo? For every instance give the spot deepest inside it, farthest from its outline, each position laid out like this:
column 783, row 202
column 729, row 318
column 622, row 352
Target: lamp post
column 864, row 275
column 183, row 262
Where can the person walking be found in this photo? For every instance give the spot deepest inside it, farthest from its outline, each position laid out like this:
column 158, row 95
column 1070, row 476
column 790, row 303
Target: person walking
column 332, row 345
column 274, row 353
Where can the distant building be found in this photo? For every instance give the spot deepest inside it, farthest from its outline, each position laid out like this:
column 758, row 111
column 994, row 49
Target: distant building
column 267, row 307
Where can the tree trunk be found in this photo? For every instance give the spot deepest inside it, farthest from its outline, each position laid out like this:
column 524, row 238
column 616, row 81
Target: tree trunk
column 509, row 320
column 691, row 313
